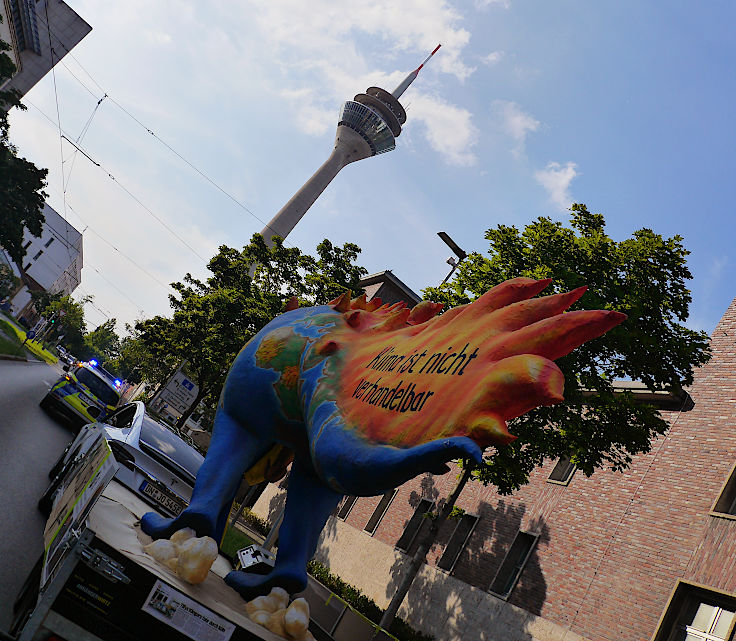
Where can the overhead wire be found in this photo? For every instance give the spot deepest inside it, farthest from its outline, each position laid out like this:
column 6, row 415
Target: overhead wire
column 124, row 188
column 78, row 149
column 119, row 251
column 157, row 137
column 79, row 139
column 58, row 121
column 47, row 259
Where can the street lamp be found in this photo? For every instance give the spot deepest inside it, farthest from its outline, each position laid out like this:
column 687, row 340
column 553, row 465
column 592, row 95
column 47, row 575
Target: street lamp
column 452, row 261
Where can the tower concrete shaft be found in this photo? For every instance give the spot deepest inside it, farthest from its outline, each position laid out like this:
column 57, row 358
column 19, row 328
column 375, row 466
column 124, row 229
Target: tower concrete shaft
column 368, row 126
column 349, row 147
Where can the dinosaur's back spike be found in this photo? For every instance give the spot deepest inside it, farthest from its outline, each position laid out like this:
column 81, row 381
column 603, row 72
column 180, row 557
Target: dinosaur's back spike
column 359, row 302
column 342, row 302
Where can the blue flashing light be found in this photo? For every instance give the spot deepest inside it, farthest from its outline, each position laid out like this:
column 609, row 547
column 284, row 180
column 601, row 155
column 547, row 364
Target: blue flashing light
column 118, row 382
column 93, row 362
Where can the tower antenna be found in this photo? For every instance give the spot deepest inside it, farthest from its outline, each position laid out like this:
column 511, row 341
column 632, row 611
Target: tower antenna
column 396, row 93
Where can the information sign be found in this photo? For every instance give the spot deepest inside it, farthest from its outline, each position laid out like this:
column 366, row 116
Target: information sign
column 89, row 472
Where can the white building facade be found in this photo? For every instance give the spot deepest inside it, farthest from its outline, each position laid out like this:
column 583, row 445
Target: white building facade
column 28, row 27
column 53, row 262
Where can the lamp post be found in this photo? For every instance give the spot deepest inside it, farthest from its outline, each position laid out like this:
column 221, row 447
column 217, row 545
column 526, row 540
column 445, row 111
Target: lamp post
column 452, row 261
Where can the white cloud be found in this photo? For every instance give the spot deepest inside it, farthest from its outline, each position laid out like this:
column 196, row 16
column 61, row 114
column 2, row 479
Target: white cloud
column 556, row 179
column 318, row 39
column 158, row 37
column 449, row 128
column 516, row 123
column 492, row 58
column 481, row 4
column 315, row 30
column 311, row 118
column 315, row 55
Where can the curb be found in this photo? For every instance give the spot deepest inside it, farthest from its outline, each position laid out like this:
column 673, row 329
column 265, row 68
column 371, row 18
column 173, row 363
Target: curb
column 8, row 357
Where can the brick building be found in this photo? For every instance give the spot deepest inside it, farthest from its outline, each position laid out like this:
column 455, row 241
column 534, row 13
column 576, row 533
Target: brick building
column 649, row 554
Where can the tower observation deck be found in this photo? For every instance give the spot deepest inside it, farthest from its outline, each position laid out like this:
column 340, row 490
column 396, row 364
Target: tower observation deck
column 367, row 126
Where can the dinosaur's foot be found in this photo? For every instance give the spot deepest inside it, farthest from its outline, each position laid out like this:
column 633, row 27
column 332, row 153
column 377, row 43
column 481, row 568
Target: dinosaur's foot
column 249, row 585
column 160, row 527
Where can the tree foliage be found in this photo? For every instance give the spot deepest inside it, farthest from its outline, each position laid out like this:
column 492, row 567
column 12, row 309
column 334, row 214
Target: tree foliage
column 213, row 319
column 643, row 276
column 68, row 321
column 135, row 362
column 9, row 98
column 102, row 343
column 21, row 182
column 8, row 281
column 42, row 299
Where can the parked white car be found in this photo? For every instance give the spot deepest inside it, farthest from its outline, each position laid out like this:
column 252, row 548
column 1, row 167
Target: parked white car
column 153, row 461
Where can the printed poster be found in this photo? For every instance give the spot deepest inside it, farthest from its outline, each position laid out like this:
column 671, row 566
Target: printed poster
column 186, row 615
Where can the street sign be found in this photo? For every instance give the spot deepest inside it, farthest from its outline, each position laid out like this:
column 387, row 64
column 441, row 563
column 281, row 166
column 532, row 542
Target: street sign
column 178, row 394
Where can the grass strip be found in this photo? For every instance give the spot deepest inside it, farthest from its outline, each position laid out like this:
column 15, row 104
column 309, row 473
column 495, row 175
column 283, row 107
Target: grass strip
column 37, row 349
column 10, row 347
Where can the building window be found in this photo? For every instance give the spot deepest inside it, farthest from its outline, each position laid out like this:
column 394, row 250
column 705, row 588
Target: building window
column 49, row 241
column 461, row 534
column 38, row 254
column 696, row 613
column 415, row 522
column 27, row 267
column 27, row 245
column 726, row 503
column 380, row 511
column 513, row 564
column 562, row 472
column 346, row 506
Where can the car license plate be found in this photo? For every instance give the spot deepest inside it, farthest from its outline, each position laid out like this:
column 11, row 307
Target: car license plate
column 173, row 505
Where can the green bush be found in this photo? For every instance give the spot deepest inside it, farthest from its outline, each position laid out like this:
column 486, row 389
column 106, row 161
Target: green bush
column 256, row 523
column 363, row 604
column 144, row 397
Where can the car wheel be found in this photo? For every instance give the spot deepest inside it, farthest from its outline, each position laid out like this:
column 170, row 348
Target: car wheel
column 45, row 403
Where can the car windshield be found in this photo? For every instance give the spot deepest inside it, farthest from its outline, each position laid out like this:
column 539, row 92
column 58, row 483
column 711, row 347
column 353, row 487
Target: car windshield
column 100, row 388
column 163, row 440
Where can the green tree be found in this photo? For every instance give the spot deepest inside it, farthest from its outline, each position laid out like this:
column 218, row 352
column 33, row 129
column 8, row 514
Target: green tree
column 213, row 319
column 643, row 276
column 21, row 182
column 9, row 98
column 102, row 343
column 135, row 362
column 42, row 299
column 8, row 281
column 66, row 318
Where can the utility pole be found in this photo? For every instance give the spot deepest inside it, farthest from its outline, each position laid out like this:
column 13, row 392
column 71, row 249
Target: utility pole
column 426, row 541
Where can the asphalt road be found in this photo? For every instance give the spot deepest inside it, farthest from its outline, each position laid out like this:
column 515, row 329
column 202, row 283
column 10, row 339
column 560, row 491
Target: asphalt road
column 30, row 443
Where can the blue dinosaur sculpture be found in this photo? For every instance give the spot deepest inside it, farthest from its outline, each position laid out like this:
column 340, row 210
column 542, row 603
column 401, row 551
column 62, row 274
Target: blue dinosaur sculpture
column 345, row 389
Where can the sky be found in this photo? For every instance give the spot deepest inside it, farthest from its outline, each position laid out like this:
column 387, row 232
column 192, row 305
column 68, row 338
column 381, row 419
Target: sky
column 216, row 113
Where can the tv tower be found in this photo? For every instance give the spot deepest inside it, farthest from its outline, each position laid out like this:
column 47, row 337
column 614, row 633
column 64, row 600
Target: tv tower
column 368, row 126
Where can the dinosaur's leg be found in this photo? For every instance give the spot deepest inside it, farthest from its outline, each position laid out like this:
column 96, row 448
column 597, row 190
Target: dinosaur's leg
column 232, row 451
column 352, row 465
column 308, row 505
